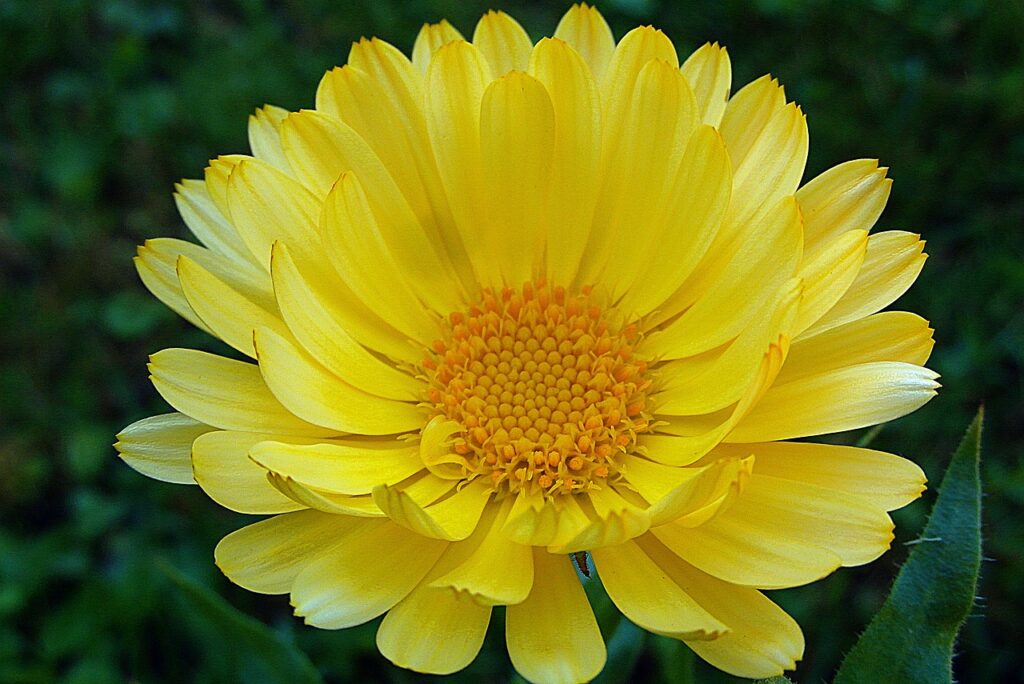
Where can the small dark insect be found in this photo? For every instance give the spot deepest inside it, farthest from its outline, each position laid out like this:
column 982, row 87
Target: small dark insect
column 580, row 558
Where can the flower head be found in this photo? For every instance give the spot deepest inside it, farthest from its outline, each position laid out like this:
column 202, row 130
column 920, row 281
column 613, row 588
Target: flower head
column 507, row 302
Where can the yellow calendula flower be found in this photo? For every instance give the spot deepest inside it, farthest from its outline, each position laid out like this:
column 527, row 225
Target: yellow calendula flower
column 507, row 302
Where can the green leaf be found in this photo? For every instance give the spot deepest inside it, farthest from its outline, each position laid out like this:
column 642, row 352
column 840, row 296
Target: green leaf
column 911, row 638
column 775, row 680
column 256, row 653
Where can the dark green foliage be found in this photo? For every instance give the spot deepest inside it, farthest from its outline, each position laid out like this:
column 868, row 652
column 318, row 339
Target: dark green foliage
column 107, row 103
column 911, row 638
column 257, row 653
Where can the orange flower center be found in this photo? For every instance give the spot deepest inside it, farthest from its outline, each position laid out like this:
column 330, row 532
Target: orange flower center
column 547, row 389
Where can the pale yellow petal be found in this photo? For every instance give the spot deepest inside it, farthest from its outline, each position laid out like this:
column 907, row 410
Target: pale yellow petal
column 691, row 495
column 649, row 597
column 350, row 467
column 891, row 265
column 850, row 196
column 534, row 521
column 576, row 156
column 828, row 275
column 310, row 390
column 353, row 582
column 266, row 556
column 320, row 328
column 887, row 336
column 552, row 636
column 495, row 570
column 268, row 205
column 228, row 314
column 761, row 641
column 883, row 480
column 616, row 518
column 222, row 467
column 451, row 519
column 431, row 38
column 306, row 292
column 265, row 136
column 837, row 400
column 455, row 623
column 161, row 280
column 357, row 244
column 207, row 222
column 455, row 86
column 588, row 33
column 361, row 506
column 216, row 176
column 161, row 446
column 224, row 393
column 517, row 137
column 503, row 42
column 709, row 72
column 783, row 533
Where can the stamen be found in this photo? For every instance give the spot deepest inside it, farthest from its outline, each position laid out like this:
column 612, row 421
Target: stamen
column 546, row 387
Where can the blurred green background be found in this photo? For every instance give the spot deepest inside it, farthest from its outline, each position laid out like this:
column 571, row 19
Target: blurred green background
column 105, row 104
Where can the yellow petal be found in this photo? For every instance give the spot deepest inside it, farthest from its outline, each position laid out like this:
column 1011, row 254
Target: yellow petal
column 358, row 246
column 761, row 640
column 224, row 393
column 645, row 140
column 891, row 265
column 649, row 597
column 223, row 469
column 267, row 205
column 713, row 380
column 616, row 519
column 450, row 519
column 638, row 47
column 587, row 32
column 782, row 533
column 503, row 42
column 517, row 136
column 576, row 155
column 163, row 284
column 265, row 136
column 379, row 94
column 216, row 176
column 693, row 495
column 436, row 451
column 455, row 622
column 683, row 231
column 850, row 196
column 161, row 446
column 455, row 86
column 748, row 113
column 353, row 582
column 837, row 400
column 534, row 521
column 886, row 336
column 230, row 315
column 763, row 263
column 882, row 479
column 310, row 390
column 323, row 500
column 828, row 275
column 431, row 38
column 494, row 571
column 266, row 556
column 347, row 467
column 709, row 73
column 552, row 636
column 306, row 292
column 320, row 329
column 207, row 222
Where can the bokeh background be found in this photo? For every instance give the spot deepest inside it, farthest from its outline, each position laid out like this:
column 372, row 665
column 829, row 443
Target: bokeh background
column 105, row 104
